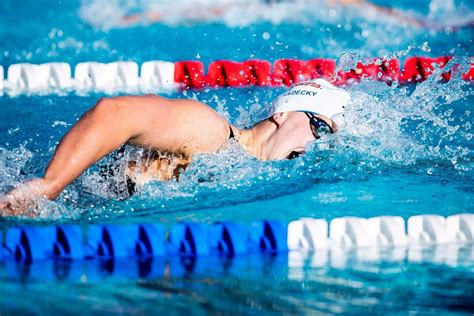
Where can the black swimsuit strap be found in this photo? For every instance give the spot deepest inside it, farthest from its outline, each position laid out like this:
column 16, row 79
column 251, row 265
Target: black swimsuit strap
column 231, row 133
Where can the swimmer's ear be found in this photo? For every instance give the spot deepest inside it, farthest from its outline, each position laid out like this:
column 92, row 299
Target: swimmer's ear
column 334, row 126
column 279, row 118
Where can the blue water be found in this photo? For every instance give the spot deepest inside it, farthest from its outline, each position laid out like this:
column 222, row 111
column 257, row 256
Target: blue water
column 404, row 151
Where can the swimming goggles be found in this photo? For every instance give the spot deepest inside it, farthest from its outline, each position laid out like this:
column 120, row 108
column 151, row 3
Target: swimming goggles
column 318, row 126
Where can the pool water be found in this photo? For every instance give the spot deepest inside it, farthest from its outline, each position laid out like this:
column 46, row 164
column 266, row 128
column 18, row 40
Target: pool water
column 404, row 150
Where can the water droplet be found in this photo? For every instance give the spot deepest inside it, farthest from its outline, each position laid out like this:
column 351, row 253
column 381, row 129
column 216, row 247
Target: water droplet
column 425, row 47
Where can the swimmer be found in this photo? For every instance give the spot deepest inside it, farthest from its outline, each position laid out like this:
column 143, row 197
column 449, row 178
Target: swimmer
column 207, row 10
column 180, row 129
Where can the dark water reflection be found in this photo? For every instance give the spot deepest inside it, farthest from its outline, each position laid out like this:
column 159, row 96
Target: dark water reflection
column 432, row 280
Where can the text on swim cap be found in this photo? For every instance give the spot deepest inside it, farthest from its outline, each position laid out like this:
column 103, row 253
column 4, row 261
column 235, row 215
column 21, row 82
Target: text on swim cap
column 301, row 92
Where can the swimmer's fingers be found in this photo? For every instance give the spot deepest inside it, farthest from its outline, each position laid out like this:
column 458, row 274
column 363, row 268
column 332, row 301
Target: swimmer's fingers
column 6, row 209
column 21, row 199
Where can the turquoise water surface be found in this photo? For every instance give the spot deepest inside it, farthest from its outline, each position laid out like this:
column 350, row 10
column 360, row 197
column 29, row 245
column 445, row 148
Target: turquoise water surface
column 405, row 150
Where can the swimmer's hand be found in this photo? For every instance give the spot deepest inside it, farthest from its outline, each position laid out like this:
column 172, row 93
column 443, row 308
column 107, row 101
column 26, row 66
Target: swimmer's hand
column 8, row 209
column 161, row 168
column 21, row 200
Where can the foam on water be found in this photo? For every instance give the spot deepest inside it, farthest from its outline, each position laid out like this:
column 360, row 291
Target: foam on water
column 426, row 129
column 322, row 31
column 122, row 13
column 368, row 32
column 117, row 14
column 404, row 150
column 397, row 125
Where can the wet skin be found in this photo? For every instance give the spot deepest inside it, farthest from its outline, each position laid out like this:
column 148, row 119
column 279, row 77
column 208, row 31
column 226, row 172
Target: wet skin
column 180, row 128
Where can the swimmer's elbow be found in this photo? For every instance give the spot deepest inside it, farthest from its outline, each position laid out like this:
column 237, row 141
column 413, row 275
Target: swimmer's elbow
column 106, row 105
column 116, row 105
column 119, row 114
column 110, row 109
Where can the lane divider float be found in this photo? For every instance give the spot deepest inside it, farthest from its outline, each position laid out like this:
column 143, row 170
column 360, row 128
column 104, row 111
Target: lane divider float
column 229, row 239
column 152, row 76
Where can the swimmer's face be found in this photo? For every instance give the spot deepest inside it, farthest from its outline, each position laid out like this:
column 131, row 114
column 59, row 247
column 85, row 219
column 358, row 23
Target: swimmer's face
column 293, row 133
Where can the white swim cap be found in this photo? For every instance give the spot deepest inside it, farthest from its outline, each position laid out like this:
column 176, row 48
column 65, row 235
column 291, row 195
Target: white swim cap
column 317, row 96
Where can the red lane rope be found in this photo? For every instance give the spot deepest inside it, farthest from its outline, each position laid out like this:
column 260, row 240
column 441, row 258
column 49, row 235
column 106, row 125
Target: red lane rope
column 225, row 73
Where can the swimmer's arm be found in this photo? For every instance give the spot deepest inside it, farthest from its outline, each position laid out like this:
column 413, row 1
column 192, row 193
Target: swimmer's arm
column 191, row 12
column 107, row 126
column 151, row 17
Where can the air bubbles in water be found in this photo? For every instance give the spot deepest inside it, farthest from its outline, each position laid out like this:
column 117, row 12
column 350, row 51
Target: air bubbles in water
column 348, row 61
column 425, row 47
column 11, row 164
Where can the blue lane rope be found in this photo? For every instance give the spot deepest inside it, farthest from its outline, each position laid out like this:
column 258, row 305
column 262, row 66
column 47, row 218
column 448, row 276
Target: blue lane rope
column 226, row 239
column 140, row 241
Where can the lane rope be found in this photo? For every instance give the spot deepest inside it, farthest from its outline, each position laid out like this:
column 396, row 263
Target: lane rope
column 153, row 76
column 187, row 239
